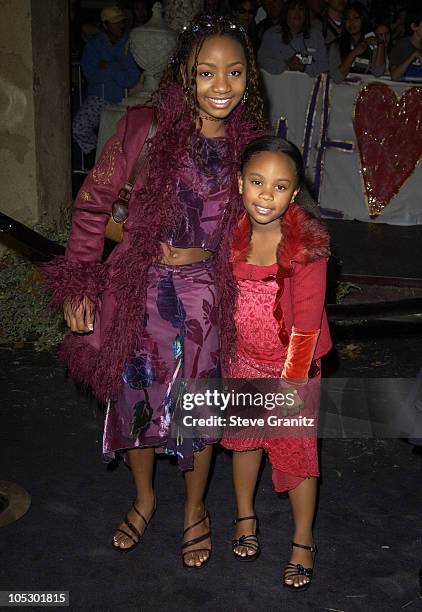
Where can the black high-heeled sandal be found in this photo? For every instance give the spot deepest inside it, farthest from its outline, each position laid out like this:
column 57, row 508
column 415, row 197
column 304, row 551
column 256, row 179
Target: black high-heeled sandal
column 291, row 570
column 133, row 529
column 201, row 538
column 248, row 541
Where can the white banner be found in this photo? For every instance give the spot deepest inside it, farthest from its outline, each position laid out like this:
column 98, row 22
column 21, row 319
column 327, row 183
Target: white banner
column 318, row 116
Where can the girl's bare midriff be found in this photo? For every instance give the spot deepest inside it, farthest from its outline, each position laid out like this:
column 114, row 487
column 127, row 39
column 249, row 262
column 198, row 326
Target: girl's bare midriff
column 179, row 257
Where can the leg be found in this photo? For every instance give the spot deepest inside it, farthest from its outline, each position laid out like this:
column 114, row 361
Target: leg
column 303, row 500
column 245, row 473
column 141, row 461
column 86, row 123
column 196, row 482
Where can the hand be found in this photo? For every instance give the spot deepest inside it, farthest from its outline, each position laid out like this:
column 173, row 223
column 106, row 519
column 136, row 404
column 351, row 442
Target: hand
column 417, row 55
column 294, row 403
column 103, row 65
column 381, row 38
column 372, row 41
column 80, row 319
column 294, row 63
column 360, row 48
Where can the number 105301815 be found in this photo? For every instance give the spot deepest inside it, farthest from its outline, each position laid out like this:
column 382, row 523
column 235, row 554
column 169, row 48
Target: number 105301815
column 34, row 598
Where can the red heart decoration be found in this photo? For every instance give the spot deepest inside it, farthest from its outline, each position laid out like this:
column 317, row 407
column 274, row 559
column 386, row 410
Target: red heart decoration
column 389, row 136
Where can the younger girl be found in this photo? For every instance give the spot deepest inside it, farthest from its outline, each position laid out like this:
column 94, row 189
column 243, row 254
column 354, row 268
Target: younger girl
column 278, row 259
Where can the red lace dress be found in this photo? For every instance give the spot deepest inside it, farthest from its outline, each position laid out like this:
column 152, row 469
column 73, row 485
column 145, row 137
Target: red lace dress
column 260, row 354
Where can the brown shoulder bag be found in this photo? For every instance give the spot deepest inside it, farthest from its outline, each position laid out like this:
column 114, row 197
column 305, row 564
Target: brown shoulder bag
column 120, row 209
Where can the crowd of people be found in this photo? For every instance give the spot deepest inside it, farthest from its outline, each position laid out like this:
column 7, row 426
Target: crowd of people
column 341, row 38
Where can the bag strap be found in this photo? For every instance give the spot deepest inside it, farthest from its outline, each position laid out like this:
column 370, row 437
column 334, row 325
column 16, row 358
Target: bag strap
column 125, row 192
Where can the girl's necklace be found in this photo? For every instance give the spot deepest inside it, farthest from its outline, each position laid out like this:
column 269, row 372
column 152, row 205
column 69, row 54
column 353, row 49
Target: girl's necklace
column 209, row 118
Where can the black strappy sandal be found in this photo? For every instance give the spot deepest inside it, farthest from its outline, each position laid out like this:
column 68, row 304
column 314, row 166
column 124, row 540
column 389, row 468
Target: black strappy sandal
column 201, row 538
column 133, row 529
column 248, row 541
column 291, row 570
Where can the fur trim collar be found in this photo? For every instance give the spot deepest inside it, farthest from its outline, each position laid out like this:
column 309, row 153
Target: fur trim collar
column 304, row 239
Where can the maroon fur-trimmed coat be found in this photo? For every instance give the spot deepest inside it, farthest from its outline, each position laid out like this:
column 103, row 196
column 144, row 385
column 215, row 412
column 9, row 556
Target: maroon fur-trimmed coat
column 118, row 287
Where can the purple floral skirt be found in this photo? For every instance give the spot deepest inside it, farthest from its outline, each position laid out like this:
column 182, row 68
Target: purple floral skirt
column 179, row 341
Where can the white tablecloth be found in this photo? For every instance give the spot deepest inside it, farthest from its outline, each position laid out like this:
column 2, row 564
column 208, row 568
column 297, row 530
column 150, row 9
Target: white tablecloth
column 341, row 189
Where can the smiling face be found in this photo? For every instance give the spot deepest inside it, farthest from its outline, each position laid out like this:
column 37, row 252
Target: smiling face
column 220, row 76
column 352, row 22
column 268, row 185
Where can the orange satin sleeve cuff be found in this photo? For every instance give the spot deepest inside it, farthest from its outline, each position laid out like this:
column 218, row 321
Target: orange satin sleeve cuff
column 301, row 350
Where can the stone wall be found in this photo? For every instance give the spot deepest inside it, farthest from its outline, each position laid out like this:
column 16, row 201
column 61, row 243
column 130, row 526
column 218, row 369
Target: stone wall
column 35, row 169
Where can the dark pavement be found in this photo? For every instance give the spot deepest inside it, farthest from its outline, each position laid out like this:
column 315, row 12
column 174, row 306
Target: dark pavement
column 368, row 526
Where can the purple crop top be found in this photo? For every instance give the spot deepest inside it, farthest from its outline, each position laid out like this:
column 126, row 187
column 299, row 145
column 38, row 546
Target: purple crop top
column 203, row 189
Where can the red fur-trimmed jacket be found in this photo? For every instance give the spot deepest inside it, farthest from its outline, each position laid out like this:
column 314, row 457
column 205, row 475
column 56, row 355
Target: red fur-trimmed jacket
column 301, row 276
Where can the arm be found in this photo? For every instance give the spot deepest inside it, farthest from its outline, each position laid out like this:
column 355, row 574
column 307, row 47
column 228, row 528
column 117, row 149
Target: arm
column 398, row 70
column 125, row 71
column 79, row 274
column 308, row 296
column 294, row 64
column 339, row 68
column 95, row 66
column 334, row 61
column 270, row 56
column 378, row 61
column 78, row 279
column 320, row 64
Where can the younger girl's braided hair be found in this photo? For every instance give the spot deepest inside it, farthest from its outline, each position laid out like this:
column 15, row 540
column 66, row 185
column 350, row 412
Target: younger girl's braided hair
column 192, row 38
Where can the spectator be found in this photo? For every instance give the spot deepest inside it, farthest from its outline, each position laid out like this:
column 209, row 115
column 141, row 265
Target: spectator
column 383, row 33
column 273, row 10
column 142, row 12
column 398, row 27
column 244, row 11
column 294, row 45
column 137, row 12
column 332, row 20
column 316, row 10
column 109, row 69
column 353, row 53
column 406, row 56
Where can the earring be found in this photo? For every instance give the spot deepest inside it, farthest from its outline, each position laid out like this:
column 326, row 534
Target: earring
column 245, row 96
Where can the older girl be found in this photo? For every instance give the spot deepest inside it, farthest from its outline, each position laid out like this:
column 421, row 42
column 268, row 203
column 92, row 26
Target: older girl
column 156, row 292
